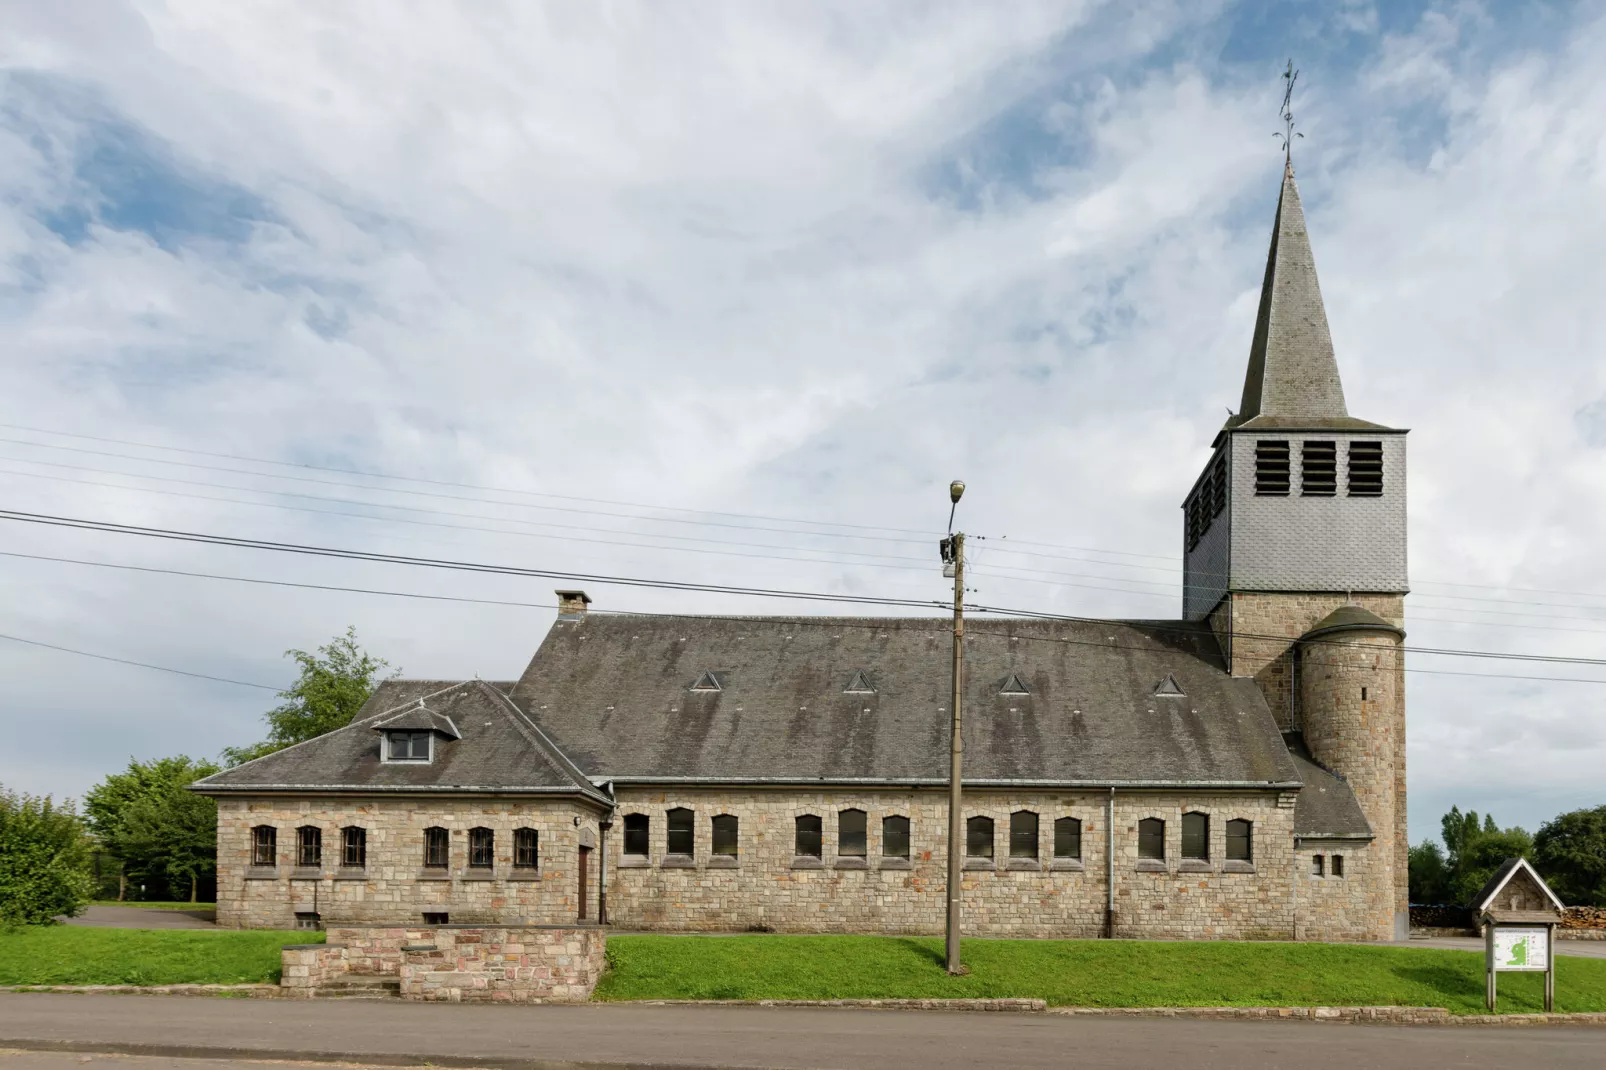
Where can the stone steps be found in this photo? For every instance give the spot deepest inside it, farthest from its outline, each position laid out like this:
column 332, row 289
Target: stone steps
column 360, row 986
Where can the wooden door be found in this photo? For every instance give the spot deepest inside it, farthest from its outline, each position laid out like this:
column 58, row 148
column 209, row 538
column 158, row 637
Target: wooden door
column 585, row 867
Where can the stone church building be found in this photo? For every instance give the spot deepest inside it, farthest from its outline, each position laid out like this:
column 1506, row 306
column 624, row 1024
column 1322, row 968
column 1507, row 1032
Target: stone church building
column 1238, row 773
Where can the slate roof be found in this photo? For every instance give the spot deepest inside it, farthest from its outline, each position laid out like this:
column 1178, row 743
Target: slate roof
column 1326, row 807
column 617, row 692
column 1498, row 881
column 1351, row 618
column 499, row 750
column 417, row 718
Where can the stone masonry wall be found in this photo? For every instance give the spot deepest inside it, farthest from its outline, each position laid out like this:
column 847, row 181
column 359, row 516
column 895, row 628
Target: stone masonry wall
column 394, row 888
column 1338, row 906
column 767, row 887
column 530, row 964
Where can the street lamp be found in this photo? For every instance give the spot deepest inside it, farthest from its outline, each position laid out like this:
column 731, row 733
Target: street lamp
column 953, row 564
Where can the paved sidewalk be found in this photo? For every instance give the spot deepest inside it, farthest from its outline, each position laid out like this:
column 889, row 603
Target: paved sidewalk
column 202, row 917
column 615, row 1035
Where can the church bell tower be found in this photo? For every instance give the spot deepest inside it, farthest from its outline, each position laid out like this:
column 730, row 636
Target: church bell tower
column 1294, row 550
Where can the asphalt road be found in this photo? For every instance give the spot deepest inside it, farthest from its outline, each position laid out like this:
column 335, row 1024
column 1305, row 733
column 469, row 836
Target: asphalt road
column 202, row 917
column 614, row 1035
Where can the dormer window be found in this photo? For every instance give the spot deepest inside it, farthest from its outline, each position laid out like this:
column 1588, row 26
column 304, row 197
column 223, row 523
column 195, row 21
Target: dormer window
column 408, row 746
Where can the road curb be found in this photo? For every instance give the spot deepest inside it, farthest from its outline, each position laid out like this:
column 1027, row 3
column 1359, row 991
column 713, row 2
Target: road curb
column 236, row 991
column 351, row 1058
column 1028, row 1006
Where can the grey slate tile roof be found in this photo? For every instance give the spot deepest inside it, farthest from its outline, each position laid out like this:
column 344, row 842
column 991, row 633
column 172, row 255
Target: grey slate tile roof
column 1326, row 807
column 1351, row 618
column 499, row 750
column 616, row 691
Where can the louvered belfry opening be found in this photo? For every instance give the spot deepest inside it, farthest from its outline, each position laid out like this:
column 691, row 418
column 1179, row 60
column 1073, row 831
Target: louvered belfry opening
column 1318, row 475
column 1271, row 467
column 1365, row 469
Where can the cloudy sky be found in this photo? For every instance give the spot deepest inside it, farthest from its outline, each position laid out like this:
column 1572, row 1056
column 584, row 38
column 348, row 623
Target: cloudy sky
column 727, row 292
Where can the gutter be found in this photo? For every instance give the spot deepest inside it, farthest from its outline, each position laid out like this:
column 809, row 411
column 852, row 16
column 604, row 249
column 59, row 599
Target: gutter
column 920, row 782
column 1109, row 860
column 378, row 789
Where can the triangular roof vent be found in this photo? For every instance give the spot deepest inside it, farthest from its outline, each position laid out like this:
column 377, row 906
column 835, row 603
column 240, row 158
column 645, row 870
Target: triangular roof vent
column 859, row 684
column 1169, row 688
column 1014, row 685
column 708, row 681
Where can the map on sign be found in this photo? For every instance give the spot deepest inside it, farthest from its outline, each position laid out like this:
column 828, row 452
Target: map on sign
column 1521, row 949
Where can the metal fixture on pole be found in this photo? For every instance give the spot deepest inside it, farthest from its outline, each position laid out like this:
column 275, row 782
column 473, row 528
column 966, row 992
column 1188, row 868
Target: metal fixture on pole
column 953, row 560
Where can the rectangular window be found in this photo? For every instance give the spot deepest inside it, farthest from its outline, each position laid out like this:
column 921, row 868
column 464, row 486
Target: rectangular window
column 979, row 837
column 1240, row 841
column 851, row 834
column 1195, row 836
column 637, row 839
column 1338, row 865
column 725, row 835
column 1318, row 469
column 1067, row 838
column 264, row 846
column 1023, row 834
column 437, row 917
column 1151, row 839
column 895, row 837
column 437, row 848
column 1271, row 468
column 354, row 848
column 527, row 849
column 409, row 746
column 682, row 834
column 1365, row 469
column 481, row 848
column 1218, row 484
column 1317, row 869
column 808, row 836
column 307, row 919
column 309, row 846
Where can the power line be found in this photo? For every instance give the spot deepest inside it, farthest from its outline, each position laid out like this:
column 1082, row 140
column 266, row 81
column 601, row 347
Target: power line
column 678, row 585
column 138, row 664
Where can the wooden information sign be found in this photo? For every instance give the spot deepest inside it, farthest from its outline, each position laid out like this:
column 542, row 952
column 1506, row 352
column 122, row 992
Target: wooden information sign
column 1519, row 913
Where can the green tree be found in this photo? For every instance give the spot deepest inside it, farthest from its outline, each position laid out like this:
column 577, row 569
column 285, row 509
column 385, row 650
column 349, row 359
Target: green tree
column 1570, row 851
column 44, row 860
column 147, row 819
column 1429, row 875
column 333, row 685
column 1483, row 854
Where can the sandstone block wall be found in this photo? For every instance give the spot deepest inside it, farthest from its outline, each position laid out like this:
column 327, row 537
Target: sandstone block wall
column 394, row 888
column 505, row 965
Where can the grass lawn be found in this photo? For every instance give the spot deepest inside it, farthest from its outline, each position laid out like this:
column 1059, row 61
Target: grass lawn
column 1086, row 973
column 153, row 905
column 77, row 955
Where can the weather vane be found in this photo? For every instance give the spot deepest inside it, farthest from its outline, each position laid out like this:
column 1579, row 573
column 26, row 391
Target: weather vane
column 1287, row 133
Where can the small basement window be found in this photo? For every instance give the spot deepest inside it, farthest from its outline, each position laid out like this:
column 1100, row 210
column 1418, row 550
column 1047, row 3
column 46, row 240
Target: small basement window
column 1365, row 469
column 1240, row 841
column 527, row 849
column 895, row 837
column 1067, row 838
column 1271, row 468
column 437, row 917
column 1023, row 834
column 264, row 846
column 852, row 834
column 481, row 848
column 1151, row 839
column 979, row 837
column 1318, row 867
column 637, row 834
column 354, row 847
column 408, row 746
column 1318, row 476
column 725, row 835
column 308, row 919
column 1196, row 836
column 437, row 848
column 808, row 837
column 309, row 846
column 1338, row 865
column 682, row 832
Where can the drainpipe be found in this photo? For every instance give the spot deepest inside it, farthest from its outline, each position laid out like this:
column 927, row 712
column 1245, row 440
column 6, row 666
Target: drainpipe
column 1294, row 885
column 602, row 872
column 1109, row 861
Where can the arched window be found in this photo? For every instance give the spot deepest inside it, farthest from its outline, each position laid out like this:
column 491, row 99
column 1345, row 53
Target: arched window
column 895, row 837
column 725, row 834
column 1067, row 838
column 481, row 848
column 1196, row 836
column 852, row 834
column 1023, row 834
column 1240, row 841
column 808, row 836
column 437, row 848
column 309, row 846
column 979, row 837
column 264, row 846
column 526, row 849
column 354, row 847
column 682, row 831
column 1151, row 838
column 637, row 839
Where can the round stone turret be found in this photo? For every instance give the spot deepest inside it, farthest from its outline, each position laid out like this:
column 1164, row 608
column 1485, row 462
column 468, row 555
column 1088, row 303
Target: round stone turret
column 1351, row 713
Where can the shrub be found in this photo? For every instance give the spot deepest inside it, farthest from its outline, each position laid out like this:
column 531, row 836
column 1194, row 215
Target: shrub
column 44, row 860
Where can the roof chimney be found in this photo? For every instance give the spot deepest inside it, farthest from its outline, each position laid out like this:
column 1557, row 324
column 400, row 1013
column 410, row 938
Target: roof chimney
column 572, row 605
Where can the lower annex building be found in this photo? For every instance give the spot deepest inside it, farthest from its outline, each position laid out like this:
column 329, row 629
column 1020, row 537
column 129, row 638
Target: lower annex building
column 1236, row 774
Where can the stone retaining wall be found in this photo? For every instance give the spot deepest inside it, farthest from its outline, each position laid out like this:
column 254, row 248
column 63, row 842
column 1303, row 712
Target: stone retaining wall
column 527, row 964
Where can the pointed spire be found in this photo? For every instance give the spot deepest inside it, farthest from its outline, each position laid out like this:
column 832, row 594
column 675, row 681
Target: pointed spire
column 1292, row 371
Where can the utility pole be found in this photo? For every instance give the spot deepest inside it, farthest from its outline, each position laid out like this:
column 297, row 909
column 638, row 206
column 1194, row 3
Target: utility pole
column 953, row 557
